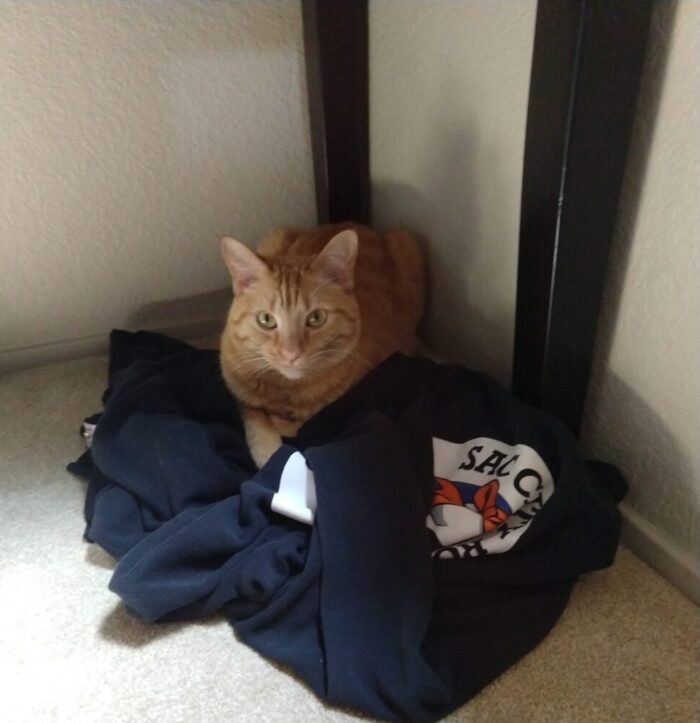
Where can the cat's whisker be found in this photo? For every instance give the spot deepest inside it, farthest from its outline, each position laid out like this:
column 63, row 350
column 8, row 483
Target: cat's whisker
column 252, row 354
column 258, row 374
column 253, row 364
column 340, row 353
column 256, row 363
column 327, row 353
column 262, row 363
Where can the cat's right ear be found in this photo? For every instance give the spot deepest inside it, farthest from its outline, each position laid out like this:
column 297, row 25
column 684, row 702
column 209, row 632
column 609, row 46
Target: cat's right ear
column 337, row 260
column 244, row 265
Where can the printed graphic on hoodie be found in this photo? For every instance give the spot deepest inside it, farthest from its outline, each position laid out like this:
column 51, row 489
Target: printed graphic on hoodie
column 485, row 496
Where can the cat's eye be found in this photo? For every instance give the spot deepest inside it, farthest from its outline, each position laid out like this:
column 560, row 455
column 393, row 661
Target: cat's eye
column 266, row 320
column 317, row 318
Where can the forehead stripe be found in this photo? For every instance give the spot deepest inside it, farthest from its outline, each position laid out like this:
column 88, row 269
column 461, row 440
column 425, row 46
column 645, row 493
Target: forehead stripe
column 289, row 285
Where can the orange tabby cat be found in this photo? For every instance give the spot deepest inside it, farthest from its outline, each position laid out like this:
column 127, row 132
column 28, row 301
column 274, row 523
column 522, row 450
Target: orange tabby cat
column 313, row 311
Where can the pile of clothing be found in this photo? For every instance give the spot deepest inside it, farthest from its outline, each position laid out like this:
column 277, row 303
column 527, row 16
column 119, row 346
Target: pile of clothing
column 418, row 537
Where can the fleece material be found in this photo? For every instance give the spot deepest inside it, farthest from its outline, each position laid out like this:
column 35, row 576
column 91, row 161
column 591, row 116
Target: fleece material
column 451, row 523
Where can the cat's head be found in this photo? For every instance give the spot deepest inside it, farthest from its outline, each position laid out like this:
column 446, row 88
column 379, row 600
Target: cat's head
column 296, row 315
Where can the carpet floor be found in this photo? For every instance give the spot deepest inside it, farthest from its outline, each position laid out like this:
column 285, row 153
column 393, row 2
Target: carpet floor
column 625, row 649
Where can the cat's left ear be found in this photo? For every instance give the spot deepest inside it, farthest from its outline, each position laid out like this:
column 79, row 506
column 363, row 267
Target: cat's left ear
column 337, row 260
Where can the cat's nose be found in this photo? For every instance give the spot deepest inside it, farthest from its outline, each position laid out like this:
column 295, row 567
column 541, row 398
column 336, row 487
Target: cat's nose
column 290, row 355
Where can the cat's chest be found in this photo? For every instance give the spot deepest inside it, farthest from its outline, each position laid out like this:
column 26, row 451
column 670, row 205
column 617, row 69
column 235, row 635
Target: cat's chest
column 285, row 410
column 288, row 403
column 296, row 402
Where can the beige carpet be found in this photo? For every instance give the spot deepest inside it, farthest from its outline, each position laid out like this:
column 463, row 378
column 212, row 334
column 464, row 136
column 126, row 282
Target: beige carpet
column 625, row 649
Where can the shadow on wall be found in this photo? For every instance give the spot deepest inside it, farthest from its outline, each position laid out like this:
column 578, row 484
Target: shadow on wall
column 201, row 310
column 138, row 137
column 635, row 175
column 471, row 278
column 633, row 436
column 199, row 318
column 603, row 383
column 618, row 424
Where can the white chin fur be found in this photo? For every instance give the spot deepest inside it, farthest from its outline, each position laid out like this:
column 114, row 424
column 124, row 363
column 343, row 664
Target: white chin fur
column 291, row 372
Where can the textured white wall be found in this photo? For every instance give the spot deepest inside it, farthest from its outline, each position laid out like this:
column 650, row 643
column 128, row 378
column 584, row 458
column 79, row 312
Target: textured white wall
column 643, row 410
column 134, row 134
column 448, row 89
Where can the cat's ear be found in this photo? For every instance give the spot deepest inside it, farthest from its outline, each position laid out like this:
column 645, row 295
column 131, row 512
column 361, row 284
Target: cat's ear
column 337, row 260
column 244, row 265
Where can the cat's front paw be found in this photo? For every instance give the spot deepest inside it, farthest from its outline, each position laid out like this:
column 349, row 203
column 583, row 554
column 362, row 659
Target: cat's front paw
column 261, row 452
column 262, row 437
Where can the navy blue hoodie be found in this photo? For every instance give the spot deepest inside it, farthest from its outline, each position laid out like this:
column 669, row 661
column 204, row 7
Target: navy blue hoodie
column 451, row 523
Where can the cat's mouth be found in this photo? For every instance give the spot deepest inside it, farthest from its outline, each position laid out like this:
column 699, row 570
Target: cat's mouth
column 291, row 371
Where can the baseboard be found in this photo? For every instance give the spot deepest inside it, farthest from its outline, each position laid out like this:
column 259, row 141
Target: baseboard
column 53, row 352
column 649, row 543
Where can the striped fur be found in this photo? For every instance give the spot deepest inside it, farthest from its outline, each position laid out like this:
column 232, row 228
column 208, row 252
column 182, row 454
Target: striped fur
column 364, row 325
